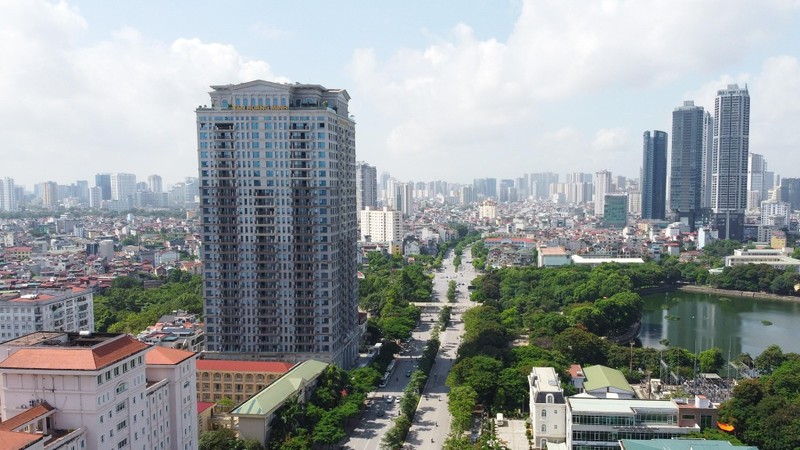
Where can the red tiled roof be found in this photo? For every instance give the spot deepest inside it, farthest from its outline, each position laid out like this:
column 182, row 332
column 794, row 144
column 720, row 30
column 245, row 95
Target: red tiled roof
column 243, row 366
column 74, row 358
column 10, row 440
column 202, row 406
column 163, row 356
column 25, row 417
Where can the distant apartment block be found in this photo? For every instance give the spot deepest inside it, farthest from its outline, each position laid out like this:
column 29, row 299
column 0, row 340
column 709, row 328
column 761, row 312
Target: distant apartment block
column 8, row 197
column 45, row 310
column 384, row 225
column 757, row 183
column 602, row 186
column 366, row 186
column 615, row 210
column 154, row 183
column 790, row 192
column 488, row 209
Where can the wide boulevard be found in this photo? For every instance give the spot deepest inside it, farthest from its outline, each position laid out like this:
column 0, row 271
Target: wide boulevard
column 432, row 422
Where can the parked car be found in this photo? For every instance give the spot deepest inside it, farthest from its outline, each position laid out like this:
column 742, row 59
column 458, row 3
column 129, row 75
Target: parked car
column 389, row 399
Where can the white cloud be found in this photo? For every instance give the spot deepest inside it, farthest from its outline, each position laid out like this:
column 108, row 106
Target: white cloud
column 455, row 109
column 122, row 104
column 480, row 98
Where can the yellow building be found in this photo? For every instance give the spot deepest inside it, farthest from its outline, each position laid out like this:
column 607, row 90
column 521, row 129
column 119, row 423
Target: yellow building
column 777, row 239
column 235, row 380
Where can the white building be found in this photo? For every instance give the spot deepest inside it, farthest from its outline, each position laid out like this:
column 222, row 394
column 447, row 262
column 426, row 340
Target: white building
column 95, row 197
column 602, row 186
column 97, row 382
column 552, row 257
column 488, row 210
column 8, row 200
column 366, row 186
column 99, row 390
column 776, row 258
column 547, row 407
column 635, row 202
column 45, row 310
column 383, row 225
column 154, row 183
column 123, row 185
column 775, row 213
column 174, row 373
column 601, row 422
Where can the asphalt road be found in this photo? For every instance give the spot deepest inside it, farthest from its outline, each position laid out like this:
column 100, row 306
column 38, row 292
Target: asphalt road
column 432, row 420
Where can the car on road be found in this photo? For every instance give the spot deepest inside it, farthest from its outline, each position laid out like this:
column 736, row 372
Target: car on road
column 389, row 399
column 408, row 374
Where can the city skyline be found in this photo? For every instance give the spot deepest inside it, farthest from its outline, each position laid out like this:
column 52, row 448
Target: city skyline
column 576, row 83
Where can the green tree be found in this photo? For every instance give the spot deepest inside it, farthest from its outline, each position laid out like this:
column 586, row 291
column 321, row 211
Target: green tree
column 329, row 430
column 461, row 402
column 479, row 372
column 770, row 359
column 217, row 439
column 711, row 360
column 580, row 346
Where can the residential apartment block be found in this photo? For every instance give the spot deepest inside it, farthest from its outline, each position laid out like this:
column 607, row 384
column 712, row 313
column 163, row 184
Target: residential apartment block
column 103, row 391
column 45, row 310
column 384, row 225
column 277, row 189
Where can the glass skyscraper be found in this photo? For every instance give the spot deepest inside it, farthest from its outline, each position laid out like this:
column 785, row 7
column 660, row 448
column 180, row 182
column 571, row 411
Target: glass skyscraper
column 278, row 208
column 729, row 160
column 654, row 175
column 686, row 175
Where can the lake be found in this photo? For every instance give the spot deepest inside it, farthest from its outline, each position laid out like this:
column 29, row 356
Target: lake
column 698, row 321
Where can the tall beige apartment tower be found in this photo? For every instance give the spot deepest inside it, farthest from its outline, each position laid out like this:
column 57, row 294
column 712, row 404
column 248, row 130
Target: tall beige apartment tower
column 279, row 224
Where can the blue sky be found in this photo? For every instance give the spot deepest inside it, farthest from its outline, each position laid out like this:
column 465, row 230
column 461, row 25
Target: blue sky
column 441, row 90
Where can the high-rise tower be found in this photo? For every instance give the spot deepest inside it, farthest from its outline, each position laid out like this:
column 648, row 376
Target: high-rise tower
column 278, row 208
column 729, row 160
column 154, row 184
column 602, row 186
column 756, row 180
column 654, row 175
column 8, row 200
column 686, row 175
column 366, row 186
column 707, row 163
column 103, row 181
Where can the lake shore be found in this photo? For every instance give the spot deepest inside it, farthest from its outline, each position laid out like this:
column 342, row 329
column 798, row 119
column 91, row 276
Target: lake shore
column 729, row 293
